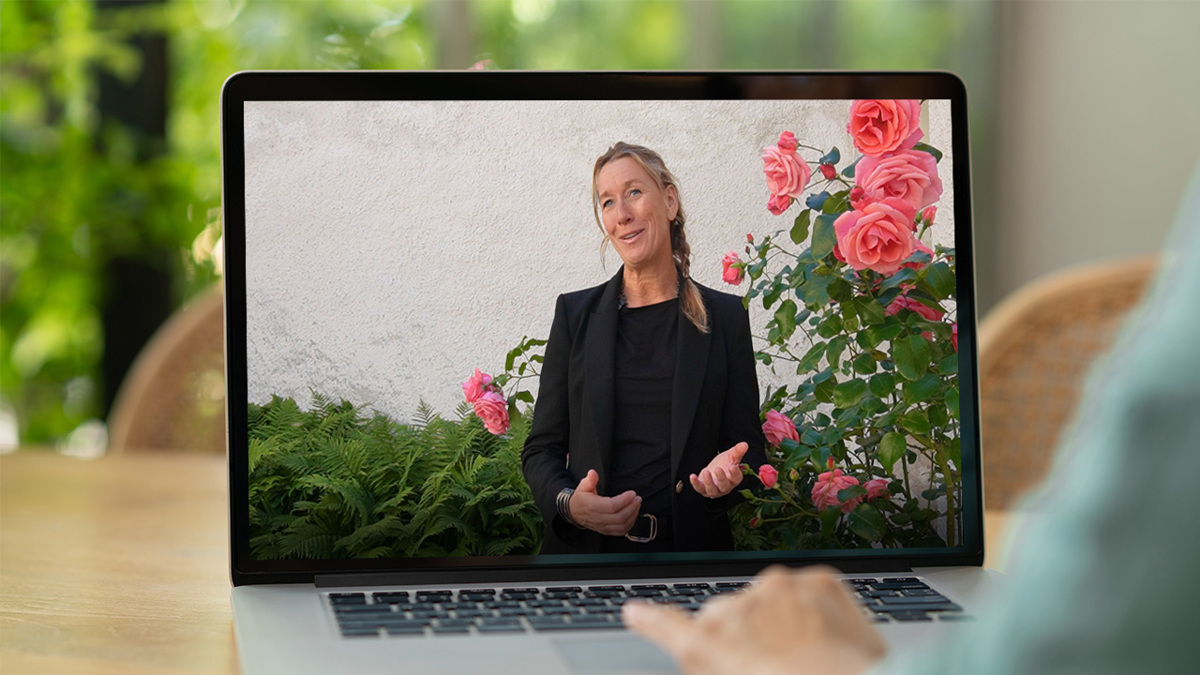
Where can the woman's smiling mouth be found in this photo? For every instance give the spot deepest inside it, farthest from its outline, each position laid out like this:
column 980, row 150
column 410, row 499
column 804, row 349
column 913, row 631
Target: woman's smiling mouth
column 631, row 236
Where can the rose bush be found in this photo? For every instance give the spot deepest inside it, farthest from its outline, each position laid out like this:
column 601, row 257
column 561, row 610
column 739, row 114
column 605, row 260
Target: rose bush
column 864, row 439
column 486, row 394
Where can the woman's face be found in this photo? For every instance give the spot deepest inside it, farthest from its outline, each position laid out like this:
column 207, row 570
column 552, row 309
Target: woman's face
column 636, row 213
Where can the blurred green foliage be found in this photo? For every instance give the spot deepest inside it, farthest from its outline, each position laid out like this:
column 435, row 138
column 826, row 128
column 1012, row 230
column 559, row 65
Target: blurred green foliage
column 79, row 190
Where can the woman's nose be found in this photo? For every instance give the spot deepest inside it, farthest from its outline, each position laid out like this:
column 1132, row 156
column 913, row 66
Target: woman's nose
column 624, row 214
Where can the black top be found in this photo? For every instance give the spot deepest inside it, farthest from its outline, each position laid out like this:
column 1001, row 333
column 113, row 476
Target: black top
column 647, row 341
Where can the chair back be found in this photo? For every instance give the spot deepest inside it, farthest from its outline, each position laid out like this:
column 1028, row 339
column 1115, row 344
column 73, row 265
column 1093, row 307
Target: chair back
column 1035, row 349
column 173, row 397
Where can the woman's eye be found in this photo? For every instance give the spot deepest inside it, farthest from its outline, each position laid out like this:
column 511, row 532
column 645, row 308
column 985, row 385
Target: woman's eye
column 606, row 203
column 634, row 191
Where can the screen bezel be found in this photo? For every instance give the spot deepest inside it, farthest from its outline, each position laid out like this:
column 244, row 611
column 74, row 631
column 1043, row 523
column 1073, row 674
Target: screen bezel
column 500, row 85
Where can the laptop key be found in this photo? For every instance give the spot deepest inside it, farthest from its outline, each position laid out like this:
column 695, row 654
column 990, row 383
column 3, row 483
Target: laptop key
column 348, row 598
column 911, row 616
column 897, row 585
column 500, row 625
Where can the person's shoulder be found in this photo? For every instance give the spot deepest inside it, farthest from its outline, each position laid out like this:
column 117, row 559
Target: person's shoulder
column 584, row 297
column 720, row 302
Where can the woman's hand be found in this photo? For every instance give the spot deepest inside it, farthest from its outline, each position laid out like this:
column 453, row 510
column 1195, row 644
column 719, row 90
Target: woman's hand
column 612, row 516
column 722, row 474
column 786, row 623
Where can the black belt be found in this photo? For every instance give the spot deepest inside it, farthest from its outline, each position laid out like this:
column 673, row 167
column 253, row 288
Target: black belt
column 648, row 527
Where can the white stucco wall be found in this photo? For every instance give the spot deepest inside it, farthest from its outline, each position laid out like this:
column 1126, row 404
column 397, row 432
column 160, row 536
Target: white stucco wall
column 393, row 247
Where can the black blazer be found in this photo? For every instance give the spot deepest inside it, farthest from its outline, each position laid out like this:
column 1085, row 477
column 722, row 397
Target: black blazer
column 714, row 406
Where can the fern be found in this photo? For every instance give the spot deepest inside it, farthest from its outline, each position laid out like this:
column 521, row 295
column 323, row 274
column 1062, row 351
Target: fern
column 333, row 482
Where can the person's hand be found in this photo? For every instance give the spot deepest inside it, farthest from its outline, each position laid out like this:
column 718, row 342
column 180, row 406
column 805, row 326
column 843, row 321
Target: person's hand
column 722, row 474
column 613, row 516
column 803, row 622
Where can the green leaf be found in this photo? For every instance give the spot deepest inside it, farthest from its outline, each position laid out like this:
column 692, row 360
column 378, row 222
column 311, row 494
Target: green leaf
column 948, row 365
column 824, row 238
column 815, row 290
column 832, row 157
column 829, row 520
column 922, row 389
column 811, row 358
column 846, row 494
column 869, row 310
column 831, row 326
column 849, row 393
column 891, row 449
column 938, row 416
column 925, row 147
column 772, row 295
column 824, row 391
column 840, row 290
column 940, row 280
column 867, row 522
column 848, row 172
column 836, row 203
column 905, row 275
column 864, row 364
column 952, row 401
column 785, row 316
column 917, row 422
column 882, row 384
column 888, row 331
column 524, row 396
column 833, row 351
column 800, row 226
column 911, row 355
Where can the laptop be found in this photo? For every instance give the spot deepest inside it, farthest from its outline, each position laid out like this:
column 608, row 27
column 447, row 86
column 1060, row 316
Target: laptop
column 431, row 355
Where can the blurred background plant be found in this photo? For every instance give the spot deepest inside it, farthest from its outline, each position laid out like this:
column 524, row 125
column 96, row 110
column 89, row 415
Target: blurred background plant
column 109, row 139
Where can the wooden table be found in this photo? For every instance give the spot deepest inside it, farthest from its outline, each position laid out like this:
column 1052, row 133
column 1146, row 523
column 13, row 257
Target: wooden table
column 121, row 565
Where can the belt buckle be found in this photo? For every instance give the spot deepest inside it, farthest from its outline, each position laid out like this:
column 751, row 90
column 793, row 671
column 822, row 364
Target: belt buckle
column 653, row 530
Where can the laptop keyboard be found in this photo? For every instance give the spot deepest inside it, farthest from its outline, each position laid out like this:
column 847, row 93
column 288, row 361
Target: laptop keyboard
column 570, row 608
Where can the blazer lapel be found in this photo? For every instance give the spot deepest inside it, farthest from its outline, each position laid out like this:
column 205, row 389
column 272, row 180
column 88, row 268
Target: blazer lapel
column 691, row 362
column 599, row 357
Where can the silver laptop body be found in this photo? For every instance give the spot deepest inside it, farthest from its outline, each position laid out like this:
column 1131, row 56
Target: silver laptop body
column 391, row 236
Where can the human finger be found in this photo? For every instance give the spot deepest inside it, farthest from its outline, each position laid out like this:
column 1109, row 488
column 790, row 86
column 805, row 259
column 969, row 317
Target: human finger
column 668, row 627
column 720, row 481
column 589, row 482
column 737, row 452
column 623, row 500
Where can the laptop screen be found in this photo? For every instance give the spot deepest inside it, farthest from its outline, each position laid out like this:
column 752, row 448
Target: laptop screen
column 511, row 319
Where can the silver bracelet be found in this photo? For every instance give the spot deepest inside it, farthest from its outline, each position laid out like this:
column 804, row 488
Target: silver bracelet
column 563, row 502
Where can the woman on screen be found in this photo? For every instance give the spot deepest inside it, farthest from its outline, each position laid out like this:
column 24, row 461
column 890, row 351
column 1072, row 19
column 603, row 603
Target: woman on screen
column 648, row 402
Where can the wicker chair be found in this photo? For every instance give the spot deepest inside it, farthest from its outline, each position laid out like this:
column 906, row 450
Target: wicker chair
column 1035, row 349
column 174, row 395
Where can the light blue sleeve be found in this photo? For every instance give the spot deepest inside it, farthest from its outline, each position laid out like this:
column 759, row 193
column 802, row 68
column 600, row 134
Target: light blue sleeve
column 1105, row 575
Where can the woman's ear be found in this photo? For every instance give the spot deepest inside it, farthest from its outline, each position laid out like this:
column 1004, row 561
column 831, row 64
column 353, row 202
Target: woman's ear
column 672, row 203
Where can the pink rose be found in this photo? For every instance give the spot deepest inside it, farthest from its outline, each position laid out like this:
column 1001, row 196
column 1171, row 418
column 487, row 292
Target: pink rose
column 929, row 214
column 825, row 492
column 778, row 427
column 877, row 127
column 787, row 174
column 768, row 475
column 732, row 271
column 954, row 337
column 828, row 171
column 910, row 175
column 787, row 142
column 902, row 301
column 492, row 409
column 478, row 383
column 876, row 488
column 777, row 204
column 754, row 522
column 878, row 237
